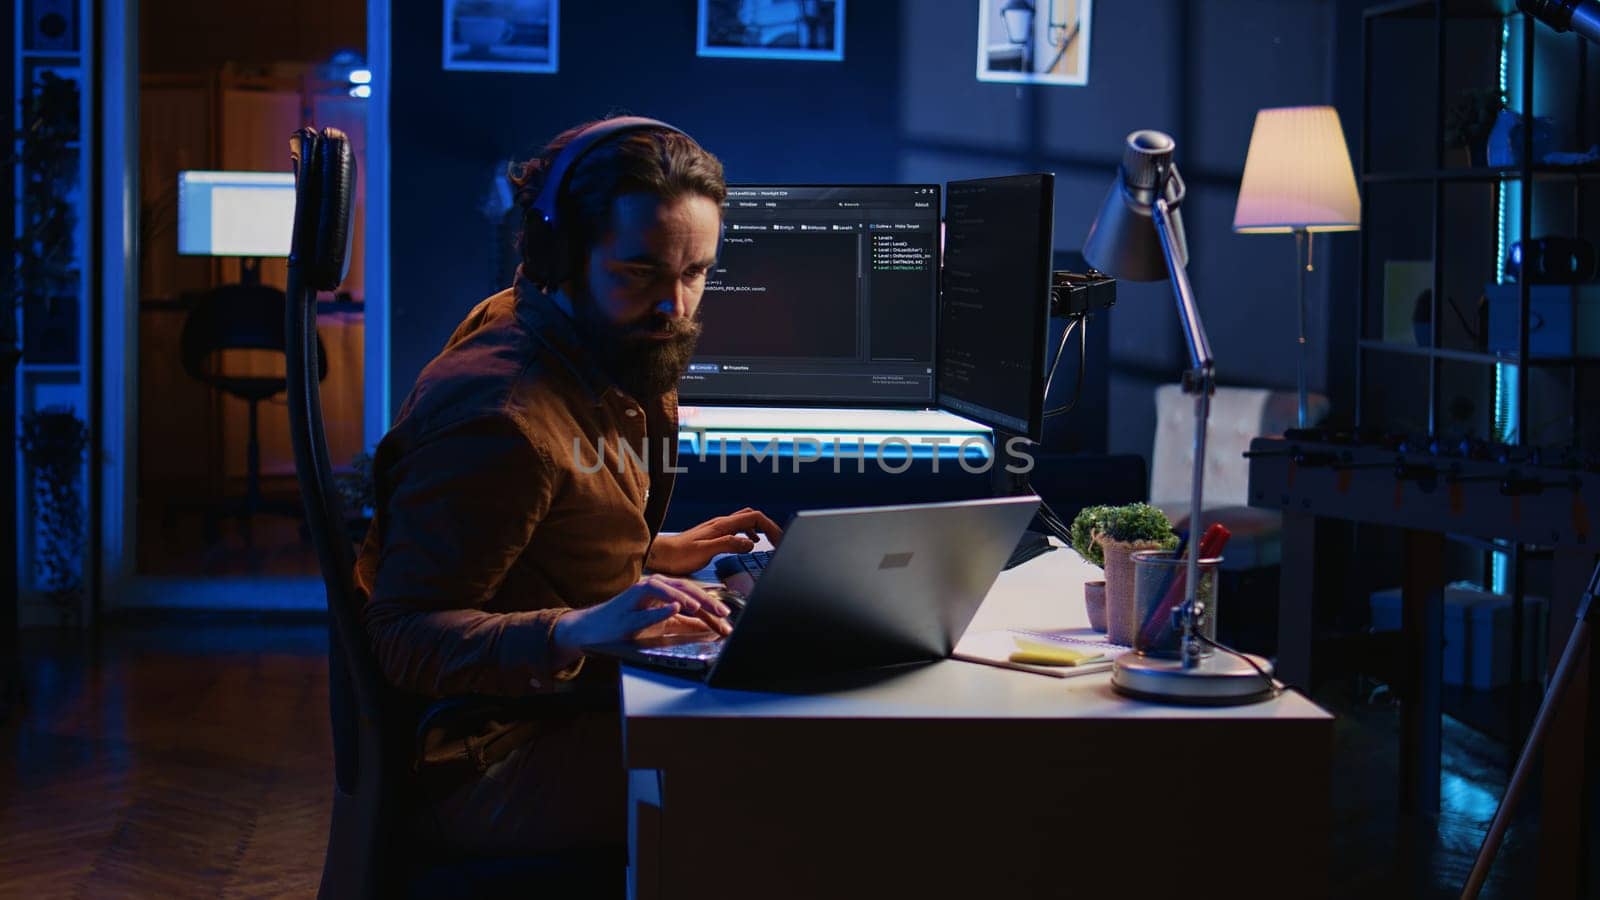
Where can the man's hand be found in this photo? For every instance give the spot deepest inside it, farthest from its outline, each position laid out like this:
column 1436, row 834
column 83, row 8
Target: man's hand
column 654, row 605
column 688, row 551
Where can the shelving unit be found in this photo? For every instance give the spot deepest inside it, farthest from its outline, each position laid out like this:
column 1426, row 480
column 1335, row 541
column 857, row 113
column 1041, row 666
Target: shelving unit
column 1465, row 218
column 1515, row 197
column 56, row 367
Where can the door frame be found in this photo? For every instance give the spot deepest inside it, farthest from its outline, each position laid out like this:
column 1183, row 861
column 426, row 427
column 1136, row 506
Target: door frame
column 118, row 345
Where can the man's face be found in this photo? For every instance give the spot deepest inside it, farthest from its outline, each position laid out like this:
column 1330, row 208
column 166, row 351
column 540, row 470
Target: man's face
column 637, row 305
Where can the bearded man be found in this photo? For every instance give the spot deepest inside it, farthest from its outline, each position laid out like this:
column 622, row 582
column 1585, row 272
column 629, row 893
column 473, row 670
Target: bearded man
column 499, row 549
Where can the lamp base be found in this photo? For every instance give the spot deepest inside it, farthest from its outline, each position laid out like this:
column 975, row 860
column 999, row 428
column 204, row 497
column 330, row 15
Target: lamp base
column 1221, row 679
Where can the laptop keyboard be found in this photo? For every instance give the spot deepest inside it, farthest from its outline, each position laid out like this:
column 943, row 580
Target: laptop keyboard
column 696, row 650
column 752, row 564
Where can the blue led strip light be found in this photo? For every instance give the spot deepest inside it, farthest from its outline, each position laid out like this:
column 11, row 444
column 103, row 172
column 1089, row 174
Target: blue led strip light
column 1505, row 383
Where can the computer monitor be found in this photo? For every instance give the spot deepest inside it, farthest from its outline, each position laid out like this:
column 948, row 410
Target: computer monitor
column 994, row 318
column 823, row 295
column 247, row 214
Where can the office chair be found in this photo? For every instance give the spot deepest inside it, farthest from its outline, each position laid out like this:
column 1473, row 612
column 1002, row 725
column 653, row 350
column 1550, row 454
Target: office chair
column 371, row 851
column 241, row 317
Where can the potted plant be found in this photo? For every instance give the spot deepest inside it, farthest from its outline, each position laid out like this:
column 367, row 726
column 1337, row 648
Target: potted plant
column 54, row 441
column 1469, row 120
column 1082, row 533
column 1107, row 536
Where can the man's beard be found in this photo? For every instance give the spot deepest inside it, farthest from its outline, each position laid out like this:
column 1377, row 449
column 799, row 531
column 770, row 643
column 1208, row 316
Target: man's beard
column 641, row 365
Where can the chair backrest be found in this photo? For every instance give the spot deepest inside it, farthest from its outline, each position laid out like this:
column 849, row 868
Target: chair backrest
column 1238, row 415
column 318, row 260
column 236, row 317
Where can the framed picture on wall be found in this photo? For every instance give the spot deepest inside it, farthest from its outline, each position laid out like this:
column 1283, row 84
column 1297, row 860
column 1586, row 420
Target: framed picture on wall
column 501, row 35
column 772, row 29
column 1034, row 41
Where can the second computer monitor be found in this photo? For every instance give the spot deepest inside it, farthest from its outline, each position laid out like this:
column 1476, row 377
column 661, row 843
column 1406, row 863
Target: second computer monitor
column 235, row 213
column 822, row 295
column 994, row 320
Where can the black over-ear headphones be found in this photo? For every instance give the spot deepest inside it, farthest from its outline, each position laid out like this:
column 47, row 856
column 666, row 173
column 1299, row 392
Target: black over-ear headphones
column 549, row 249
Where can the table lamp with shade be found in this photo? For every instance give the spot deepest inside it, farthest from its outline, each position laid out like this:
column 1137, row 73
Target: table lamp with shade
column 1298, row 179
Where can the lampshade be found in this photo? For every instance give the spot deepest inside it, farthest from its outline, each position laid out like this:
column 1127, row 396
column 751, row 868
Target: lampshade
column 1297, row 175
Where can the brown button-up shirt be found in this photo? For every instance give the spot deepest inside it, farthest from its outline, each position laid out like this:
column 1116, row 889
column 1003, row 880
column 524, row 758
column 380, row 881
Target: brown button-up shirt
column 517, row 483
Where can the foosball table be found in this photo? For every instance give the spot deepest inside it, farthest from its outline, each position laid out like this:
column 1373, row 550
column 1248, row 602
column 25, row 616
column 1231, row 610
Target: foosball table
column 1429, row 487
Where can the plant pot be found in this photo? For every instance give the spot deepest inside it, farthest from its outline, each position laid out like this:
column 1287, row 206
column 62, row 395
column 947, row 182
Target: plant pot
column 1094, row 600
column 1121, row 622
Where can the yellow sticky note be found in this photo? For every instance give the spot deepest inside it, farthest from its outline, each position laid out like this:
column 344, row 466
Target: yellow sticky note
column 1041, row 654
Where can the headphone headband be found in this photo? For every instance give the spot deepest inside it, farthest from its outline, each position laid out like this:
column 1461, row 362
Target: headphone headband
column 547, row 259
column 561, row 169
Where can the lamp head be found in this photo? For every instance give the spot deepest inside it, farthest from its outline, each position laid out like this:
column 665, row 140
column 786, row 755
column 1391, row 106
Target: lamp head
column 1122, row 241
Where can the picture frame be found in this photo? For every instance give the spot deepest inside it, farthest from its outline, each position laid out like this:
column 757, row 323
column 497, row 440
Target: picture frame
column 502, row 35
column 771, row 29
column 1034, row 41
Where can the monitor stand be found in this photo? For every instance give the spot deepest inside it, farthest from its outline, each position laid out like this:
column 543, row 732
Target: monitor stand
column 250, row 270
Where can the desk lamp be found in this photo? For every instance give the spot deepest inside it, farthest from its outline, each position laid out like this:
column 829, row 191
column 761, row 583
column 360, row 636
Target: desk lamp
column 1297, row 178
column 1138, row 235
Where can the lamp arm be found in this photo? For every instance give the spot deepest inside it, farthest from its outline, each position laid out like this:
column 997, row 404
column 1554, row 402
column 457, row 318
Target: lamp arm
column 1199, row 381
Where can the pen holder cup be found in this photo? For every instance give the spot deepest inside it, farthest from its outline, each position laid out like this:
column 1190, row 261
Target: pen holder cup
column 1159, row 579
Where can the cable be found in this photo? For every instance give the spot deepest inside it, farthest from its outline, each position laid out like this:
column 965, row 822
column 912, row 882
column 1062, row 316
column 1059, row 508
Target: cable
column 1053, row 522
column 1083, row 354
column 1272, row 683
column 1065, row 334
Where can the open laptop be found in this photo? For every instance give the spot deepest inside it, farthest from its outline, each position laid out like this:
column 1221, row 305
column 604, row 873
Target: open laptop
column 853, row 589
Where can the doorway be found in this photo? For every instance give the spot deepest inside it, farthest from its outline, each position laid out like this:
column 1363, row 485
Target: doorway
column 210, row 470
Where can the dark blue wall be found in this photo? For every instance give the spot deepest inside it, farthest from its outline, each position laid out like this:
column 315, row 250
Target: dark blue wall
column 904, row 105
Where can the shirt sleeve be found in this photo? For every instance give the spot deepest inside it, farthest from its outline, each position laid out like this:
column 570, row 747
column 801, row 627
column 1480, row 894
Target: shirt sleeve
column 461, row 509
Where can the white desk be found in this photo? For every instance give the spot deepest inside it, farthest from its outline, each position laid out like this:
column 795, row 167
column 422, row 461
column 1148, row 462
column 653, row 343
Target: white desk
column 956, row 779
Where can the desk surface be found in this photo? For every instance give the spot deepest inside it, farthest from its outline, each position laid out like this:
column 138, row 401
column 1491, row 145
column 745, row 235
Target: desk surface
column 1045, row 593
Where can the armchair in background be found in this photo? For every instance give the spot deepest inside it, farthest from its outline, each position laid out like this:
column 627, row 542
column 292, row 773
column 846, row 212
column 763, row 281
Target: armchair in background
column 1247, row 606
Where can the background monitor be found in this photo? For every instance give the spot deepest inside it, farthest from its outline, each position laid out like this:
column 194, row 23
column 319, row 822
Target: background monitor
column 994, row 318
column 822, row 295
column 235, row 213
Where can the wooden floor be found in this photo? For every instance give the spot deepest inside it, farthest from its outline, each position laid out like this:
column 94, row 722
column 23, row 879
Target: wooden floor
column 168, row 762
column 178, row 543
column 193, row 760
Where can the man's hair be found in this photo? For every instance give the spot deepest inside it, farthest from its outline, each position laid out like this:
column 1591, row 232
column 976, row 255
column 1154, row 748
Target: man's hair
column 666, row 164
